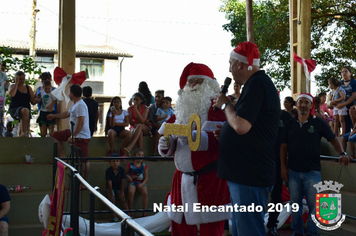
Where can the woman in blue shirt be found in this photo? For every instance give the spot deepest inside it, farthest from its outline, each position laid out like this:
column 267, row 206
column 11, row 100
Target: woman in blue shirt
column 349, row 84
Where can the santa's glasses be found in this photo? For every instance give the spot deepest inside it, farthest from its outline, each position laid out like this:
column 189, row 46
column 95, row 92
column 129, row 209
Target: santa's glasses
column 195, row 81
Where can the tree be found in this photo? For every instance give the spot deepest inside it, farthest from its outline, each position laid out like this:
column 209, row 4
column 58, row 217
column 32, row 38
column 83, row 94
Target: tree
column 333, row 37
column 14, row 64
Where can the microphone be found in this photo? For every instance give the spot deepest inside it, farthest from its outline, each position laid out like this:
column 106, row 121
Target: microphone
column 72, row 123
column 227, row 83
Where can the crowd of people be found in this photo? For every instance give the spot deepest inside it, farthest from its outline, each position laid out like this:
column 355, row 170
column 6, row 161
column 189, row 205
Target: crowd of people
column 329, row 115
column 226, row 168
column 336, row 107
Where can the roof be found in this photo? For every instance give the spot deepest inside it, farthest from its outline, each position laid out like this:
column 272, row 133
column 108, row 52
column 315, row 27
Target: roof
column 104, row 51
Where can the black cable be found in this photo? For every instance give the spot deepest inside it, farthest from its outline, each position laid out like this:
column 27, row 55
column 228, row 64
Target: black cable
column 342, row 166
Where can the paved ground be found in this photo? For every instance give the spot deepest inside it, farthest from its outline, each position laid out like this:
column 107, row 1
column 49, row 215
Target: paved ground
column 285, row 232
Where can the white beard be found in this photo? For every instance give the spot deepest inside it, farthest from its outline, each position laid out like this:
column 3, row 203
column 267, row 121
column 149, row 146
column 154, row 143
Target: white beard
column 196, row 100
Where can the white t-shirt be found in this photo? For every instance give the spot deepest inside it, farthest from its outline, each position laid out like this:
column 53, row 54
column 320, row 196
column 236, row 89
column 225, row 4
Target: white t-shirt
column 77, row 110
column 47, row 99
column 3, row 79
column 120, row 118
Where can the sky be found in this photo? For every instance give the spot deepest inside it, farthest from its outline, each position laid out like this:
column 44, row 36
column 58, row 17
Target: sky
column 163, row 35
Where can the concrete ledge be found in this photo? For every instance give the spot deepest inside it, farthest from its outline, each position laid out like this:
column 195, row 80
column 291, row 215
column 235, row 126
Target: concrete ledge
column 25, row 229
column 327, row 149
column 346, row 175
column 346, row 229
column 13, row 150
column 24, row 206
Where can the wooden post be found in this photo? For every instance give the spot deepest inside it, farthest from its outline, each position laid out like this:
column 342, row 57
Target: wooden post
column 249, row 21
column 66, row 49
column 304, row 33
column 300, row 23
column 33, row 29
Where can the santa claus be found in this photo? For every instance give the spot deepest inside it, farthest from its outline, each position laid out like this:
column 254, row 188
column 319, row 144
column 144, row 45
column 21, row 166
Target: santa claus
column 195, row 183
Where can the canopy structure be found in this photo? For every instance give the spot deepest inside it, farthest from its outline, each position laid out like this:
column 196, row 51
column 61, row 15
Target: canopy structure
column 299, row 30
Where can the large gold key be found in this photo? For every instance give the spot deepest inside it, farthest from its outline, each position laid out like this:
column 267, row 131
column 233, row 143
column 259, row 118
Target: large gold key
column 186, row 130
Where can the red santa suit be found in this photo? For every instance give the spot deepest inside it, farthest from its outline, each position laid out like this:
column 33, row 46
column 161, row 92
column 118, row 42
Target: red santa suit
column 195, row 180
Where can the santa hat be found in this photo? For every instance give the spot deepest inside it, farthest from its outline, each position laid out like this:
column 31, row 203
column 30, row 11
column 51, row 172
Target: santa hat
column 311, row 99
column 246, row 53
column 195, row 70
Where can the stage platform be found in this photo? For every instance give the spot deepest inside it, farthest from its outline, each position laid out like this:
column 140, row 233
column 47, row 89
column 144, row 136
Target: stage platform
column 38, row 175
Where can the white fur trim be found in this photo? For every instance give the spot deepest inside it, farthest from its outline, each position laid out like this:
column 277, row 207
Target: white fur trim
column 305, row 96
column 183, row 156
column 190, row 196
column 175, row 216
column 198, row 77
column 243, row 59
column 161, row 129
column 204, row 140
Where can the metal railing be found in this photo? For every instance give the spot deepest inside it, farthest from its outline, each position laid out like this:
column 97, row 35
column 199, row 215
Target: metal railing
column 128, row 225
column 335, row 158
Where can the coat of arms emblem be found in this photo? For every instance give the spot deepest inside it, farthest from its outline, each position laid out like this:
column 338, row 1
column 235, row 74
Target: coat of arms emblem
column 328, row 206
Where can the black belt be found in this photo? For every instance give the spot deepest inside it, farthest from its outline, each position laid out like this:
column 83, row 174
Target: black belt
column 206, row 169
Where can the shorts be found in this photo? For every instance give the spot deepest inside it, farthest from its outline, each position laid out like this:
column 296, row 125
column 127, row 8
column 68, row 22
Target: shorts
column 43, row 118
column 16, row 112
column 341, row 112
column 118, row 129
column 115, row 192
column 351, row 139
column 137, row 183
column 5, row 219
column 81, row 143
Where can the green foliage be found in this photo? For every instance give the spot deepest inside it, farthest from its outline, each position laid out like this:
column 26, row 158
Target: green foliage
column 14, row 64
column 333, row 38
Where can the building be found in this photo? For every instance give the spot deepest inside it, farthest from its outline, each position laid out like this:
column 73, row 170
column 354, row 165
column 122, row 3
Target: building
column 102, row 64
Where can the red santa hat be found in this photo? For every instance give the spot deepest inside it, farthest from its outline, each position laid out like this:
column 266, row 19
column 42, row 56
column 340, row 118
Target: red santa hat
column 311, row 99
column 195, row 70
column 246, row 53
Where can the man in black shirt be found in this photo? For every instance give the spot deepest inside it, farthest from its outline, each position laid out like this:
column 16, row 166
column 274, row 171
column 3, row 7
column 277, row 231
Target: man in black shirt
column 276, row 194
column 247, row 140
column 152, row 119
column 93, row 109
column 301, row 143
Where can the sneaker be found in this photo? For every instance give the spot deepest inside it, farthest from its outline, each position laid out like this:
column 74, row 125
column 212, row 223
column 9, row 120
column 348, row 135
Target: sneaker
column 127, row 152
column 110, row 152
column 122, row 154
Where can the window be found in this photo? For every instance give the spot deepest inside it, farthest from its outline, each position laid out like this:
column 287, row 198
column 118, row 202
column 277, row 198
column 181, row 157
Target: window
column 93, row 67
column 47, row 62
